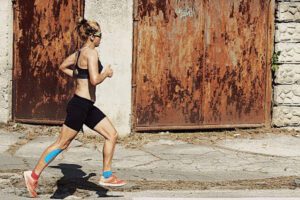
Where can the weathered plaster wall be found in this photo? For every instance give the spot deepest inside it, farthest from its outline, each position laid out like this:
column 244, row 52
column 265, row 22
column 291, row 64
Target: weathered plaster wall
column 114, row 95
column 6, row 37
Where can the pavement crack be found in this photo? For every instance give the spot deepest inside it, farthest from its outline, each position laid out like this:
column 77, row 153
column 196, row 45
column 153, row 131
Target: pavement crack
column 148, row 163
column 247, row 152
column 150, row 153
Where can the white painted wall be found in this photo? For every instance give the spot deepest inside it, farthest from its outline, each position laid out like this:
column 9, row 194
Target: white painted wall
column 6, row 37
column 116, row 21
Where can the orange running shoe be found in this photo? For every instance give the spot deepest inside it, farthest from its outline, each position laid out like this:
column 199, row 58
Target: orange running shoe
column 31, row 184
column 112, row 181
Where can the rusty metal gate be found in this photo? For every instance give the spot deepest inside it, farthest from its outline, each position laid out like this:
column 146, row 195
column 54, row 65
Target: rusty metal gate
column 43, row 36
column 202, row 64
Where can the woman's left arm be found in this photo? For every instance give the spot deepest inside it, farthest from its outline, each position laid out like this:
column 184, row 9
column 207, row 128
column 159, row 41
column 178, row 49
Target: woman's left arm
column 69, row 61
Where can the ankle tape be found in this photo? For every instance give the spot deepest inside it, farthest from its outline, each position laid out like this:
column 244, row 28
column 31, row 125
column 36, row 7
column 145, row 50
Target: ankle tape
column 107, row 174
column 34, row 175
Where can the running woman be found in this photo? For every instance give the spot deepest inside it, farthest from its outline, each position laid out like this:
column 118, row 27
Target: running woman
column 81, row 109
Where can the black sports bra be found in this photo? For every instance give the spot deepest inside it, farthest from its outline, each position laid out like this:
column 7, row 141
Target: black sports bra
column 84, row 73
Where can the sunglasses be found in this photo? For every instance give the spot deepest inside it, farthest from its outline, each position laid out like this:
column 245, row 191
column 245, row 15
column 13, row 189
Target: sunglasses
column 98, row 34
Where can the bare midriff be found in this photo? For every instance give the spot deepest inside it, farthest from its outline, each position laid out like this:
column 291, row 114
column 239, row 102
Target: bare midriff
column 85, row 89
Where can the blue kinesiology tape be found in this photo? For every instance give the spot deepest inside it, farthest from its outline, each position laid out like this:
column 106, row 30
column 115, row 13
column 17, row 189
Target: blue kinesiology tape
column 52, row 155
column 107, row 174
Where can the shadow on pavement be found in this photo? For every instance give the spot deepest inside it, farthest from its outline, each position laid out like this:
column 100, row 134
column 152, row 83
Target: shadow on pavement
column 74, row 178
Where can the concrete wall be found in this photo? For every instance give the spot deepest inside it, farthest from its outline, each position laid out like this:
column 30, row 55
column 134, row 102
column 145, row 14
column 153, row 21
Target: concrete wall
column 6, row 36
column 114, row 95
column 286, row 111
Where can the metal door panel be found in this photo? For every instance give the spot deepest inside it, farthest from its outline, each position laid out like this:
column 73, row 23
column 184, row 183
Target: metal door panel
column 202, row 64
column 170, row 63
column 235, row 62
column 43, row 36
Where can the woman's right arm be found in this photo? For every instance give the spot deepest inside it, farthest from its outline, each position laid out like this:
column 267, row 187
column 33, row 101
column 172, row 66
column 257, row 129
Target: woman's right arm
column 96, row 77
column 69, row 61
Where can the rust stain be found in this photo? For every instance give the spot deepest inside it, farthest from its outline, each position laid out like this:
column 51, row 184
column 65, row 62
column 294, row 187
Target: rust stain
column 168, row 91
column 236, row 73
column 154, row 7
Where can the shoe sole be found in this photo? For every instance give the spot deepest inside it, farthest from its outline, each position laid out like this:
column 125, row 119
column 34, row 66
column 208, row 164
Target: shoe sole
column 111, row 185
column 27, row 186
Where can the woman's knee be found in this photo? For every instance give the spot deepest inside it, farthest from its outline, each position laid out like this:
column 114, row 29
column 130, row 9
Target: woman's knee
column 113, row 137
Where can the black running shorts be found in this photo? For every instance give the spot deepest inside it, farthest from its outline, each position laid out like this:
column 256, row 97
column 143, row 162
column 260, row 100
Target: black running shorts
column 82, row 111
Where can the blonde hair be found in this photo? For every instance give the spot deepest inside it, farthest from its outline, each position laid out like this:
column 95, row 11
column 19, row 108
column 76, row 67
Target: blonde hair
column 86, row 28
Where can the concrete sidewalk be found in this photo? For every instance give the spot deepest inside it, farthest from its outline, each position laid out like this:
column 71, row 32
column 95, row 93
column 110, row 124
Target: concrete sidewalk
column 271, row 162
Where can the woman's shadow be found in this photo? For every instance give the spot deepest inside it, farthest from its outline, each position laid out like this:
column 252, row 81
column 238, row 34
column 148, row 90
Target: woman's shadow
column 74, row 178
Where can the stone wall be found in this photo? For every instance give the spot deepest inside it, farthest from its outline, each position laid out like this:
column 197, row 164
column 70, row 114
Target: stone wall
column 6, row 36
column 286, row 111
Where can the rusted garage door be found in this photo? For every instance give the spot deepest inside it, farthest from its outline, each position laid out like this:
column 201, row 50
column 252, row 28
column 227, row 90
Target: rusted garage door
column 43, row 36
column 202, row 64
